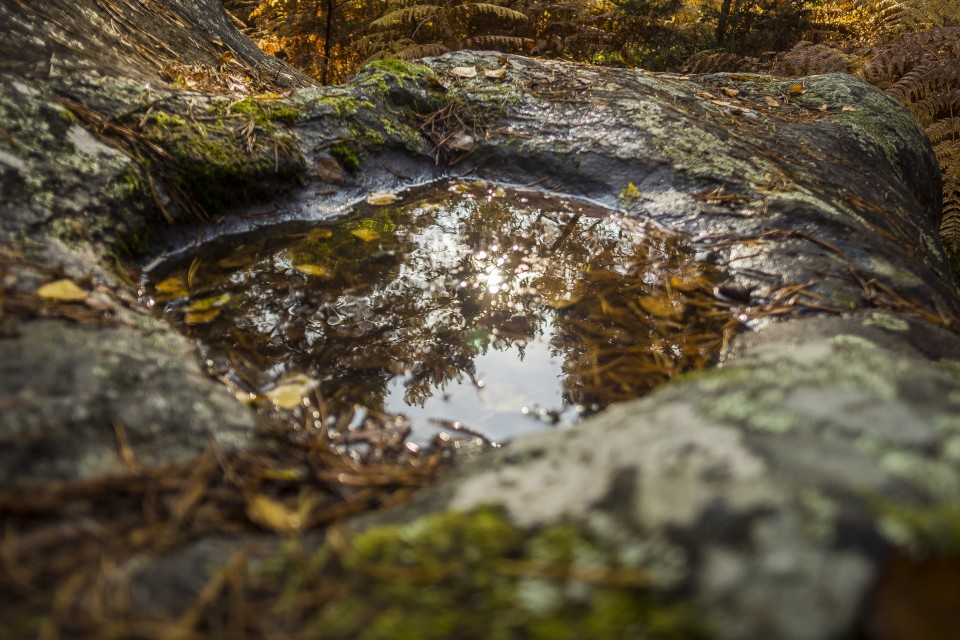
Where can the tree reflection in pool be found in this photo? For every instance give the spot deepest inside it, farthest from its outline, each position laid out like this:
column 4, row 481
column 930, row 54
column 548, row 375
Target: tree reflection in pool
column 502, row 310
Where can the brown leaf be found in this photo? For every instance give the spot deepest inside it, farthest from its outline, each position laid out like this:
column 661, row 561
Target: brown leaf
column 329, row 170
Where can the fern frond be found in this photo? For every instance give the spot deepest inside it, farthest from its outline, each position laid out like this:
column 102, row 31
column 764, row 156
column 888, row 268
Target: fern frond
column 948, row 153
column 933, row 107
column 946, row 130
column 421, row 51
column 806, row 58
column 485, row 8
column 498, row 43
column 406, row 16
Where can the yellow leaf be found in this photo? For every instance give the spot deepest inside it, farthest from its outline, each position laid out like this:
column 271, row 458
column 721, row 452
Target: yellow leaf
column 201, row 317
column 269, row 96
column 172, row 286
column 731, row 92
column 366, row 235
column 464, row 72
column 380, row 198
column 686, row 283
column 311, row 269
column 273, row 515
column 205, row 304
column 771, row 101
column 660, row 307
column 289, row 393
column 62, row 291
column 797, row 89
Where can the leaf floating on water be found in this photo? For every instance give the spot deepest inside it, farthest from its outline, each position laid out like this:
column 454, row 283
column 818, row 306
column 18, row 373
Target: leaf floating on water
column 312, row 269
column 289, row 393
column 464, row 72
column 205, row 304
column 62, row 291
column 174, row 286
column 367, row 235
column 381, row 198
column 660, row 307
column 273, row 515
column 201, row 317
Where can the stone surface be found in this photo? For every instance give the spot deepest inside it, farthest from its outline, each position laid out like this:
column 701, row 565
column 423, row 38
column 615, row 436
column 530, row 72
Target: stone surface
column 766, row 492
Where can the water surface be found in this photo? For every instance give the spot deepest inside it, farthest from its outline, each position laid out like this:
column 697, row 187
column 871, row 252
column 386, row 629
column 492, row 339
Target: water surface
column 499, row 310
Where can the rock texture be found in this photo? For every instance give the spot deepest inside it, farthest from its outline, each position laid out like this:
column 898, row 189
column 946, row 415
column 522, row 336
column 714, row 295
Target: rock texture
column 766, row 494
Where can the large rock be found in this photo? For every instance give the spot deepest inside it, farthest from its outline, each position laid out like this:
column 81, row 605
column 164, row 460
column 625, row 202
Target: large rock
column 757, row 499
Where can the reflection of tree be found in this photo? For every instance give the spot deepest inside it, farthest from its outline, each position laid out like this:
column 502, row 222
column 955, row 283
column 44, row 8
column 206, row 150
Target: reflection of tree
column 423, row 291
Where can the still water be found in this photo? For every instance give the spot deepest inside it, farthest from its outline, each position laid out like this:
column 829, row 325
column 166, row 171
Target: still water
column 502, row 311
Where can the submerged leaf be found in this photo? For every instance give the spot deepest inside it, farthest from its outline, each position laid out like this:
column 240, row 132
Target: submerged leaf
column 62, row 291
column 201, row 317
column 312, row 269
column 687, row 283
column 205, row 304
column 660, row 307
column 173, row 286
column 367, row 235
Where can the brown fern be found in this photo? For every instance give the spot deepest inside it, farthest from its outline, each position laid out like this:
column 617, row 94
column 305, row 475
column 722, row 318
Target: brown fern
column 922, row 71
column 807, row 58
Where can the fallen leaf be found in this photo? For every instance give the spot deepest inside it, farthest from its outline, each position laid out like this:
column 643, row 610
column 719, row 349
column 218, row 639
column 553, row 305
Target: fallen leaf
column 797, row 89
column 367, row 235
column 312, row 269
column 770, row 100
column 172, row 285
column 62, row 291
column 464, row 72
column 686, row 283
column 822, row 107
column 658, row 306
column 205, row 304
column 200, row 317
column 273, row 515
column 495, row 74
column 329, row 170
column 731, row 92
column 289, row 393
column 381, row 198
column 848, row 108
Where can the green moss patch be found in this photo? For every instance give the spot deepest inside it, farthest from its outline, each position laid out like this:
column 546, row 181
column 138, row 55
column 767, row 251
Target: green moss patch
column 476, row 575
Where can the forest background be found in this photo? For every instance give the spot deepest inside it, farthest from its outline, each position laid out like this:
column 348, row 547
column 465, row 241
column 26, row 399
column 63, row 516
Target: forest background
column 908, row 48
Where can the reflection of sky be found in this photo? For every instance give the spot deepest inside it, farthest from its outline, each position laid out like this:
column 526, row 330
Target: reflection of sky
column 509, row 385
column 399, row 302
